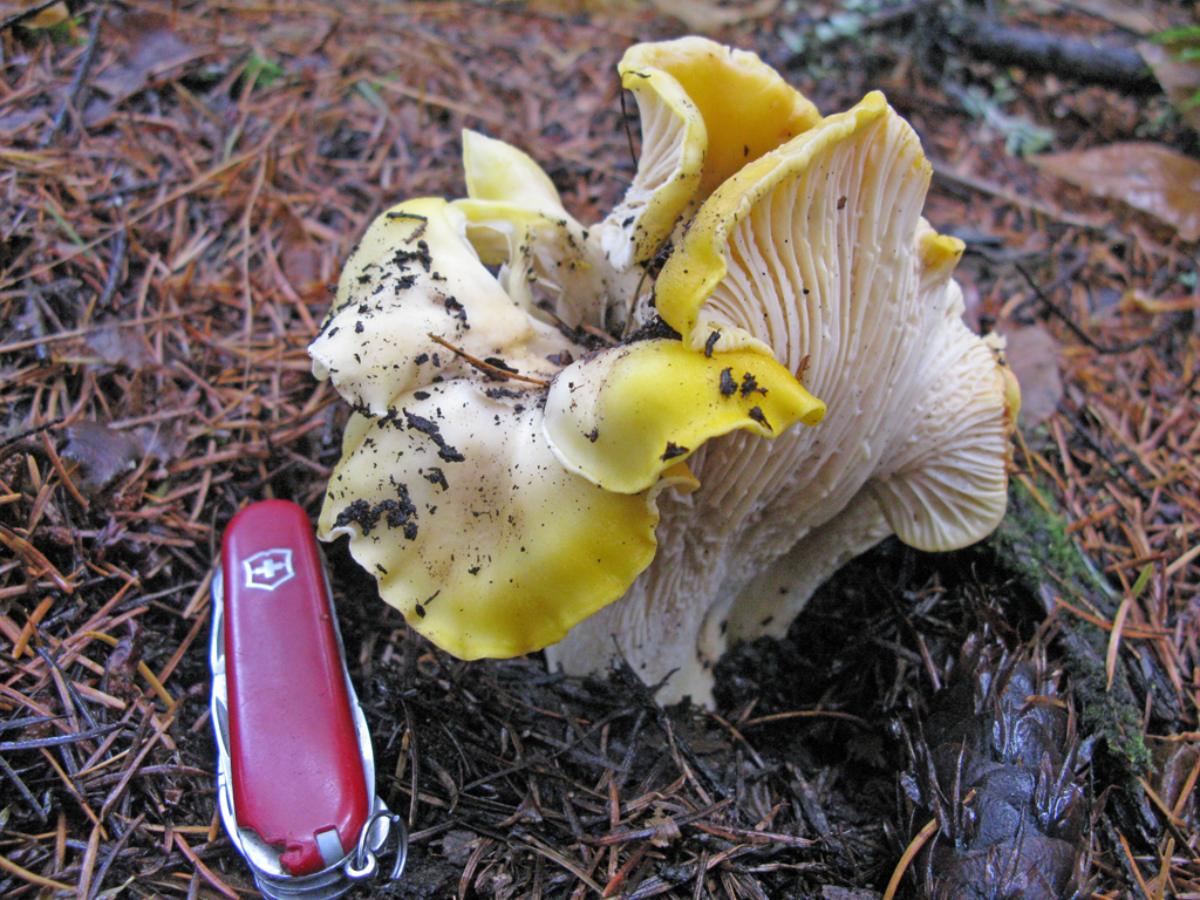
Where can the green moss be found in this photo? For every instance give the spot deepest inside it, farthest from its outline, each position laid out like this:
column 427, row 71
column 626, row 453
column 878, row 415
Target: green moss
column 1113, row 714
column 1030, row 540
column 1034, row 546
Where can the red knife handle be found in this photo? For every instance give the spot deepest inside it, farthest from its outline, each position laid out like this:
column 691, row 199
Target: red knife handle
column 295, row 760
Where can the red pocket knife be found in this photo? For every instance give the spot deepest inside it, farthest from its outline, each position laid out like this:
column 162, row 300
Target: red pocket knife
column 295, row 769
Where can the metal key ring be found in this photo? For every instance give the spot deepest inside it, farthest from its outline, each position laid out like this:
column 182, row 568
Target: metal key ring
column 364, row 862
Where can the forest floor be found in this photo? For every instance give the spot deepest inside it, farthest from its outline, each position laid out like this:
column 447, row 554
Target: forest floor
column 181, row 184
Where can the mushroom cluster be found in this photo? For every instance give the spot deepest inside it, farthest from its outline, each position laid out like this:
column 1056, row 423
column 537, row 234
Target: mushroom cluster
column 581, row 438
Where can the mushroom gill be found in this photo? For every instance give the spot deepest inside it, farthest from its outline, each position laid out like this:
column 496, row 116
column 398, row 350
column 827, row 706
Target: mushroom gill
column 815, row 254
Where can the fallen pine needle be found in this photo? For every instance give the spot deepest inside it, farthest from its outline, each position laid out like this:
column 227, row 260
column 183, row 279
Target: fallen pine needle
column 63, row 475
column 182, row 829
column 87, row 869
column 71, row 789
column 909, row 854
column 143, row 670
column 33, row 877
column 205, row 872
column 1133, row 866
column 486, row 366
column 1164, row 870
column 1114, row 640
column 805, row 714
column 1183, row 560
column 557, row 858
column 31, row 625
column 1186, row 791
column 35, row 558
column 1131, row 631
column 1161, row 804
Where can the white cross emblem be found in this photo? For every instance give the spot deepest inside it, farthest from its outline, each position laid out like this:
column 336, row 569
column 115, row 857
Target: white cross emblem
column 268, row 569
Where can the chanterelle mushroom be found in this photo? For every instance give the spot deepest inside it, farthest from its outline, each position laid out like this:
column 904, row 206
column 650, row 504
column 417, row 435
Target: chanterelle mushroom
column 505, row 483
column 449, row 487
column 549, row 265
column 817, row 254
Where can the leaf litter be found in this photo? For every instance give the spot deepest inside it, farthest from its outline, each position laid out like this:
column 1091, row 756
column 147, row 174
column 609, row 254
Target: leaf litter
column 1149, row 177
column 166, row 259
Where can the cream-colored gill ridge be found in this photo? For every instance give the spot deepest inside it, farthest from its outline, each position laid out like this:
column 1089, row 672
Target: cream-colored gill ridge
column 946, row 485
column 935, row 460
column 834, row 280
column 821, row 270
column 674, row 139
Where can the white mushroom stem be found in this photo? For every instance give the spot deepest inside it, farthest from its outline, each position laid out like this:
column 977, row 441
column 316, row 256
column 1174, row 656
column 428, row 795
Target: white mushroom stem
column 655, row 626
column 769, row 603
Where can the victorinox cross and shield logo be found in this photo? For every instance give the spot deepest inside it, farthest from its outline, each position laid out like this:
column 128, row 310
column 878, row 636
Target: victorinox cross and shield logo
column 268, row 569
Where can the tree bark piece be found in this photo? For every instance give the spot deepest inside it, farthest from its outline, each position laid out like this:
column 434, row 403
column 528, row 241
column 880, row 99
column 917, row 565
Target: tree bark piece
column 1067, row 56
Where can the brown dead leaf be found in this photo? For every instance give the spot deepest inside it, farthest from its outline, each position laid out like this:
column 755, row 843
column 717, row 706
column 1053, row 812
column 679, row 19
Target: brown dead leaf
column 163, row 442
column 121, row 667
column 13, row 122
column 102, row 453
column 152, row 49
column 1149, row 177
column 666, row 829
column 458, row 844
column 300, row 257
column 119, row 346
column 1176, row 781
column 1135, row 17
column 1032, row 354
column 296, row 38
column 1180, row 80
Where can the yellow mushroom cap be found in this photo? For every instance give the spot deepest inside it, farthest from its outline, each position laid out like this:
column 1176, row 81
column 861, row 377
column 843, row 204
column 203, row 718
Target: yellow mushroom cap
column 447, row 487
column 412, row 274
column 621, row 417
column 499, row 172
column 473, row 530
column 747, row 108
column 706, row 110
